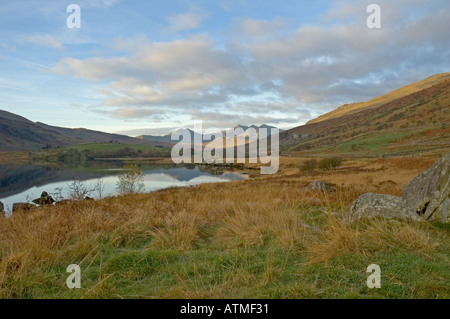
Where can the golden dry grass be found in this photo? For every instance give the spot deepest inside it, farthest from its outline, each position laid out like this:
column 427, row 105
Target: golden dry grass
column 368, row 237
column 244, row 209
column 273, row 211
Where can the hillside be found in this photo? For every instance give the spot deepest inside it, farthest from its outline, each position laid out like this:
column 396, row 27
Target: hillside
column 378, row 101
column 415, row 122
column 164, row 138
column 20, row 134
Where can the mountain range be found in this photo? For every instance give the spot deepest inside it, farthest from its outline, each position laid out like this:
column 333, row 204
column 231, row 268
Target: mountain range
column 20, row 134
column 168, row 137
column 414, row 118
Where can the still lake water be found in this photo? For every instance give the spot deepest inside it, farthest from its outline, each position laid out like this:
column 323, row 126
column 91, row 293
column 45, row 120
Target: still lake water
column 23, row 183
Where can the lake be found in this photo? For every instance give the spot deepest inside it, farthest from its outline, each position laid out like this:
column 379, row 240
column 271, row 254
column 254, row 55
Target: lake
column 23, row 183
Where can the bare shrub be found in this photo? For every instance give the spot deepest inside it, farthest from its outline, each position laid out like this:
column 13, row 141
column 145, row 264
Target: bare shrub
column 309, row 165
column 131, row 180
column 328, row 163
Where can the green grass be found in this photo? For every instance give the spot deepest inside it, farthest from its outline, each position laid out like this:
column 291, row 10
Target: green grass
column 80, row 154
column 241, row 273
column 371, row 142
column 131, row 268
column 113, row 147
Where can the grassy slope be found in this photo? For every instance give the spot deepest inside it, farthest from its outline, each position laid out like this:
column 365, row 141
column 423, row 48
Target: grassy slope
column 101, row 150
column 19, row 134
column 418, row 122
column 112, row 147
column 404, row 91
column 245, row 239
column 97, row 149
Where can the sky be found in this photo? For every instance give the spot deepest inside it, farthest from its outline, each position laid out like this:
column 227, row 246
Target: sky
column 148, row 67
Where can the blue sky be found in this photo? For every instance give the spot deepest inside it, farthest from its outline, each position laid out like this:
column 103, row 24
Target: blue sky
column 159, row 65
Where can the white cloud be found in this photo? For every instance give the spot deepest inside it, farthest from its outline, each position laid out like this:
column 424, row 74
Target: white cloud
column 257, row 28
column 97, row 3
column 44, row 40
column 185, row 21
column 314, row 67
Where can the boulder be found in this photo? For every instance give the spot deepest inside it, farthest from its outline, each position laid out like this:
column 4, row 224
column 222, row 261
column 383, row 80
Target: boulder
column 45, row 199
column 2, row 209
column 320, row 186
column 428, row 194
column 22, row 207
column 386, row 206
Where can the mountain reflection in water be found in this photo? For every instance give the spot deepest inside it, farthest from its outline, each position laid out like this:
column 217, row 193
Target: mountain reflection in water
column 23, row 183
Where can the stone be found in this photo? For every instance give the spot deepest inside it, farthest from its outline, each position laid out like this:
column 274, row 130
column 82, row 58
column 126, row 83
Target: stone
column 428, row 194
column 385, row 206
column 22, row 207
column 45, row 199
column 320, row 186
column 2, row 209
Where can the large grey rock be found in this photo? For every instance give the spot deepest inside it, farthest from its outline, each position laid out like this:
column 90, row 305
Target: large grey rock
column 386, row 206
column 45, row 199
column 428, row 194
column 320, row 186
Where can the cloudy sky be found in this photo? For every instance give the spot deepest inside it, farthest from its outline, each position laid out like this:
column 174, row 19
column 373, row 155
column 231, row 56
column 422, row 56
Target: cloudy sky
column 160, row 65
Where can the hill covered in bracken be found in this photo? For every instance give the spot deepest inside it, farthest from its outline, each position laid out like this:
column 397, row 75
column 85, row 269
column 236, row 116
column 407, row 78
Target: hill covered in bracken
column 411, row 123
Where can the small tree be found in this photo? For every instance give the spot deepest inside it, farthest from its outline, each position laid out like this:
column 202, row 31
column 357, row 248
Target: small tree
column 77, row 190
column 100, row 188
column 131, row 180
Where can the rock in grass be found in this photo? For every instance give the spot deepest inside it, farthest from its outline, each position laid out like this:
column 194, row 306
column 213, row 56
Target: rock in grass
column 428, row 194
column 386, row 206
column 2, row 209
column 45, row 199
column 320, row 186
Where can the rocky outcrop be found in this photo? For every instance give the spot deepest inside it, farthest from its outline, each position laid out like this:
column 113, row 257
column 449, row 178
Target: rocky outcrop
column 45, row 199
column 428, row 194
column 386, row 206
column 320, row 186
